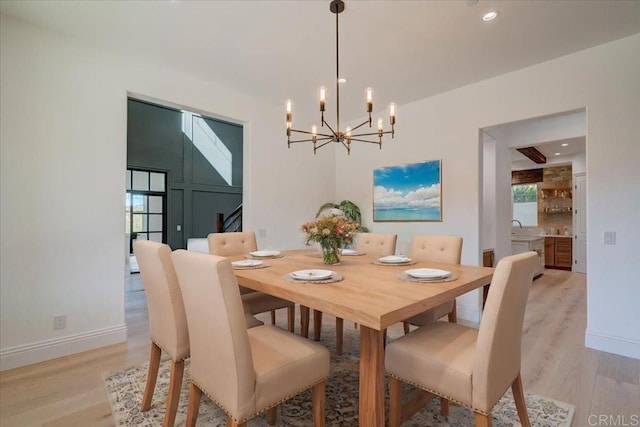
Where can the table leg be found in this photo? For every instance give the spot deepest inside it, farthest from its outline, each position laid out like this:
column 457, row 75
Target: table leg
column 371, row 405
column 304, row 321
column 317, row 324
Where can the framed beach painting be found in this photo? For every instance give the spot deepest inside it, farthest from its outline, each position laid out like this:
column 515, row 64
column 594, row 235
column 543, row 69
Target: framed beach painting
column 410, row 192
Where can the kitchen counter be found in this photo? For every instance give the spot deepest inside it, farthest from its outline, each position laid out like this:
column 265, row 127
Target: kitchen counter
column 523, row 243
column 557, row 235
column 521, row 238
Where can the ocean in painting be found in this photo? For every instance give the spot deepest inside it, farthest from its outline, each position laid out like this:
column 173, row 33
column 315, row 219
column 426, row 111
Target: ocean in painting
column 406, row 214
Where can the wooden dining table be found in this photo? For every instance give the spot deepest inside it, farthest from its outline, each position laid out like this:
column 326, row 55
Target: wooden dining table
column 370, row 294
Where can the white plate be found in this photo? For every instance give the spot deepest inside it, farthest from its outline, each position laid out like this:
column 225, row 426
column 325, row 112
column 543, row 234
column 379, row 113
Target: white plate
column 349, row 252
column 394, row 259
column 428, row 273
column 247, row 263
column 264, row 253
column 312, row 274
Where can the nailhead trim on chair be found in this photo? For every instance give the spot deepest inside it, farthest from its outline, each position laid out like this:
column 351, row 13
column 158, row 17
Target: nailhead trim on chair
column 441, row 395
column 260, row 412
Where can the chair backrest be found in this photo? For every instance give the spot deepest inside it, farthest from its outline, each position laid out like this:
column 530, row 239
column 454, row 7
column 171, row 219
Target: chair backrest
column 221, row 360
column 377, row 244
column 167, row 320
column 229, row 244
column 445, row 249
column 497, row 357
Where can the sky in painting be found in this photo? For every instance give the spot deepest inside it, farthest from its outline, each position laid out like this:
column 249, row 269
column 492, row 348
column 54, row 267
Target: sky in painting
column 415, row 185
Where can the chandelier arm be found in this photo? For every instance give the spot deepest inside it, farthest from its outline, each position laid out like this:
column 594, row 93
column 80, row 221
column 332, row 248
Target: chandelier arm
column 324, row 122
column 371, row 134
column 360, row 125
column 364, row 140
column 328, row 138
column 322, row 145
column 311, row 133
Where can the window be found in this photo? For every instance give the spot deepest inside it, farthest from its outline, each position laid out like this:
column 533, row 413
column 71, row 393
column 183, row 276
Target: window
column 525, row 204
column 145, row 206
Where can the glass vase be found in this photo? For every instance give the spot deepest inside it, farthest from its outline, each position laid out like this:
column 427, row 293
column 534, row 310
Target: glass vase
column 331, row 252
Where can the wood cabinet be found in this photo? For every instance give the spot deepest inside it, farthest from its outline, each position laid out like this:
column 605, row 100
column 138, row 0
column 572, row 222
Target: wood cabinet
column 558, row 252
column 488, row 258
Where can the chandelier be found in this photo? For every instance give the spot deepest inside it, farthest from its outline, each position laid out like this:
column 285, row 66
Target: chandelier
column 336, row 135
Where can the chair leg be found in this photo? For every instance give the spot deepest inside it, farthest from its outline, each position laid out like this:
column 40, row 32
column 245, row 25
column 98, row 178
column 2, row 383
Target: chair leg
column 273, row 317
column 406, row 327
column 318, row 401
column 395, row 402
column 453, row 315
column 152, row 376
column 444, row 407
column 272, row 415
column 339, row 335
column 521, row 406
column 482, row 420
column 317, row 324
column 232, row 423
column 291, row 318
column 175, row 385
column 194, row 405
column 304, row 321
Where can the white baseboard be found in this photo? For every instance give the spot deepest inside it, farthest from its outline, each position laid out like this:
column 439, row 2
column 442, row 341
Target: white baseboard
column 28, row 354
column 613, row 344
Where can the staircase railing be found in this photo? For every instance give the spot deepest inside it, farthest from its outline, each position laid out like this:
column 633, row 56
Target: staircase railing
column 232, row 223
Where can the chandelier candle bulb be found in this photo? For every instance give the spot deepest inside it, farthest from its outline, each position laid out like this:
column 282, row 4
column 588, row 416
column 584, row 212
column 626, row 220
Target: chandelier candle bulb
column 369, row 100
column 323, row 97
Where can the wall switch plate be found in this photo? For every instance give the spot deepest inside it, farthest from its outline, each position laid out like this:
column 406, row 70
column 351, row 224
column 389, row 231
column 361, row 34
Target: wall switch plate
column 262, row 232
column 609, row 237
column 60, row 321
column 178, row 227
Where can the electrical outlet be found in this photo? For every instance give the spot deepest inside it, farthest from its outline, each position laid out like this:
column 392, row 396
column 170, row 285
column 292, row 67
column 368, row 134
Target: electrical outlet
column 178, row 227
column 60, row 321
column 609, row 237
column 262, row 232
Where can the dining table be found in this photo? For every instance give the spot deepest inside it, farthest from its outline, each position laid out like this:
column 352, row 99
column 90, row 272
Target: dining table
column 372, row 294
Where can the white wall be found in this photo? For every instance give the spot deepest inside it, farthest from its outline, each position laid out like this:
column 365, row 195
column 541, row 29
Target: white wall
column 606, row 81
column 63, row 156
column 63, row 136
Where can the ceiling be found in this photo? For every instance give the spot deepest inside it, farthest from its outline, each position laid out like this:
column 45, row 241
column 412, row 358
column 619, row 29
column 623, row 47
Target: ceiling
column 405, row 50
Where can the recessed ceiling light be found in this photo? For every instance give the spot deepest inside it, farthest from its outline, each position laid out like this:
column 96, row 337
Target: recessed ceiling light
column 565, row 145
column 490, row 16
column 342, row 80
column 557, row 154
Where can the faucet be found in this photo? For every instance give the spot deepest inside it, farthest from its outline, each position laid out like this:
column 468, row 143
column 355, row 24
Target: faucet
column 515, row 220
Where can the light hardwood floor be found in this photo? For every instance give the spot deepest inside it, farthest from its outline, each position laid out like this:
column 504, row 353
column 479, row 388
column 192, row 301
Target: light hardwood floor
column 555, row 363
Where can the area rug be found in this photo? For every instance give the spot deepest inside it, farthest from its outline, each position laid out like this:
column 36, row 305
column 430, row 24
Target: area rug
column 125, row 389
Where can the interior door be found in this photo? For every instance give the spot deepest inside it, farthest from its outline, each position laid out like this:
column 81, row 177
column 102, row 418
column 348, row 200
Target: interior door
column 580, row 223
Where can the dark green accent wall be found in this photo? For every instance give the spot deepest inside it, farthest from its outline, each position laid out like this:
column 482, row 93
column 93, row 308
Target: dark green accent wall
column 196, row 191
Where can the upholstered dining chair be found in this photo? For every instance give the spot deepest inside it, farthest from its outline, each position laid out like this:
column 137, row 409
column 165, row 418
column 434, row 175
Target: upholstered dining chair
column 469, row 366
column 244, row 371
column 442, row 249
column 375, row 245
column 241, row 243
column 167, row 321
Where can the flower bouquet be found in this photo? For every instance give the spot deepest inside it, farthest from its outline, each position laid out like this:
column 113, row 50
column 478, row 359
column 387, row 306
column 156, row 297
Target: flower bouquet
column 332, row 232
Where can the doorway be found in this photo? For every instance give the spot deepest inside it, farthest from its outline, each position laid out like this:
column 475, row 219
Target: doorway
column 561, row 138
